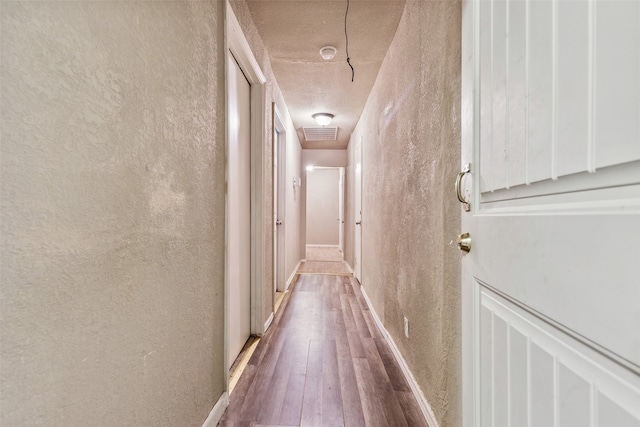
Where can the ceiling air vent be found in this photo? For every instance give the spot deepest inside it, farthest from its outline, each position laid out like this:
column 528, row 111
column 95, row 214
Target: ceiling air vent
column 320, row 133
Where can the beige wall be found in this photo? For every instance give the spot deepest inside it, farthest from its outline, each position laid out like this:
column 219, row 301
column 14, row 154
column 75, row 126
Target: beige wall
column 112, row 212
column 294, row 246
column 411, row 147
column 322, row 207
column 337, row 158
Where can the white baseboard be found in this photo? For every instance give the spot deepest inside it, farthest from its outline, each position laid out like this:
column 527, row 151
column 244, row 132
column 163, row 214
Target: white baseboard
column 427, row 412
column 351, row 270
column 218, row 409
column 268, row 323
column 293, row 275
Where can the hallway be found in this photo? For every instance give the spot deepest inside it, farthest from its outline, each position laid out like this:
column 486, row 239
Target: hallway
column 490, row 200
column 324, row 260
column 323, row 362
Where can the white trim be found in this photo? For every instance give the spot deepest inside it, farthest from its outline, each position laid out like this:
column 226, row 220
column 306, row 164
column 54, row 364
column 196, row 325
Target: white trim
column 218, row 410
column 275, row 182
column 258, row 96
column 293, row 275
column 237, row 45
column 358, row 180
column 342, row 209
column 351, row 270
column 427, row 412
column 277, row 120
column 279, row 179
column 470, row 131
column 268, row 322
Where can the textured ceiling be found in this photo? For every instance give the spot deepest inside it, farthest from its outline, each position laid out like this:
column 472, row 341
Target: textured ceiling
column 293, row 32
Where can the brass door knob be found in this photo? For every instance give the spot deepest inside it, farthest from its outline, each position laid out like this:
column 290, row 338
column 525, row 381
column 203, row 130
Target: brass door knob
column 465, row 170
column 464, row 242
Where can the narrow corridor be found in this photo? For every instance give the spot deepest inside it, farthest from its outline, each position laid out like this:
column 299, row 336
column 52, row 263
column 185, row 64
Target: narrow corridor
column 323, row 362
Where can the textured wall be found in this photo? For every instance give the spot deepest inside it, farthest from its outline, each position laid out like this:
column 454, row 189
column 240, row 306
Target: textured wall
column 411, row 152
column 112, row 210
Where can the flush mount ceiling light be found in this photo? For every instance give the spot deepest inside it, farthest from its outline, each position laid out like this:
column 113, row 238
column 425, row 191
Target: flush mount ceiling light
column 328, row 52
column 323, row 119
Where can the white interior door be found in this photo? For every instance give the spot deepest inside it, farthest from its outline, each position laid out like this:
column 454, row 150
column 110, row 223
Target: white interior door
column 322, row 207
column 551, row 295
column 238, row 212
column 280, row 170
column 341, row 211
column 358, row 211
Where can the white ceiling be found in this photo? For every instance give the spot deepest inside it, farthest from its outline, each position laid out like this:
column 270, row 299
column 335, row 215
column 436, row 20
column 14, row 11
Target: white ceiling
column 293, row 32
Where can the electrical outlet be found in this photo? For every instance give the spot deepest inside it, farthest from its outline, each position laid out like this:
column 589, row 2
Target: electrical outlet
column 406, row 327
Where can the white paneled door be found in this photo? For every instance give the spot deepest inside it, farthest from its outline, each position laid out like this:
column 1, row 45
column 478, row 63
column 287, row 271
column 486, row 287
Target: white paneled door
column 341, row 212
column 279, row 200
column 551, row 291
column 238, row 209
column 358, row 211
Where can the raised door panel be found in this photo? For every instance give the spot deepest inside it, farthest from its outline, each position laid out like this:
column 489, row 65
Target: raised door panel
column 616, row 49
column 559, row 89
column 533, row 374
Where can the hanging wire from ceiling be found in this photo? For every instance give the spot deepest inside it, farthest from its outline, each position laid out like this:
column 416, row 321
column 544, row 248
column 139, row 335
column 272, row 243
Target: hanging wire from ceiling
column 346, row 36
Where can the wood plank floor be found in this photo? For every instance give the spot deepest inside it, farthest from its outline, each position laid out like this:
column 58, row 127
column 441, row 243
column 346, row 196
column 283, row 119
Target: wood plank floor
column 323, row 362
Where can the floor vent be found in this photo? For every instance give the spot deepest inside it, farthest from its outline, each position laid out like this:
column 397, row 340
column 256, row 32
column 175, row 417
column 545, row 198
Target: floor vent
column 320, row 133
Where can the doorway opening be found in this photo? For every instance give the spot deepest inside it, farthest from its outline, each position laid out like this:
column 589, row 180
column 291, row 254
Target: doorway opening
column 279, row 208
column 324, row 246
column 357, row 268
column 245, row 216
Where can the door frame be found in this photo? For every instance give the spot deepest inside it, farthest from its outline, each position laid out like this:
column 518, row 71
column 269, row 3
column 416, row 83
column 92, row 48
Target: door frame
column 279, row 161
column 357, row 203
column 341, row 211
column 340, row 193
column 236, row 43
column 469, row 104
